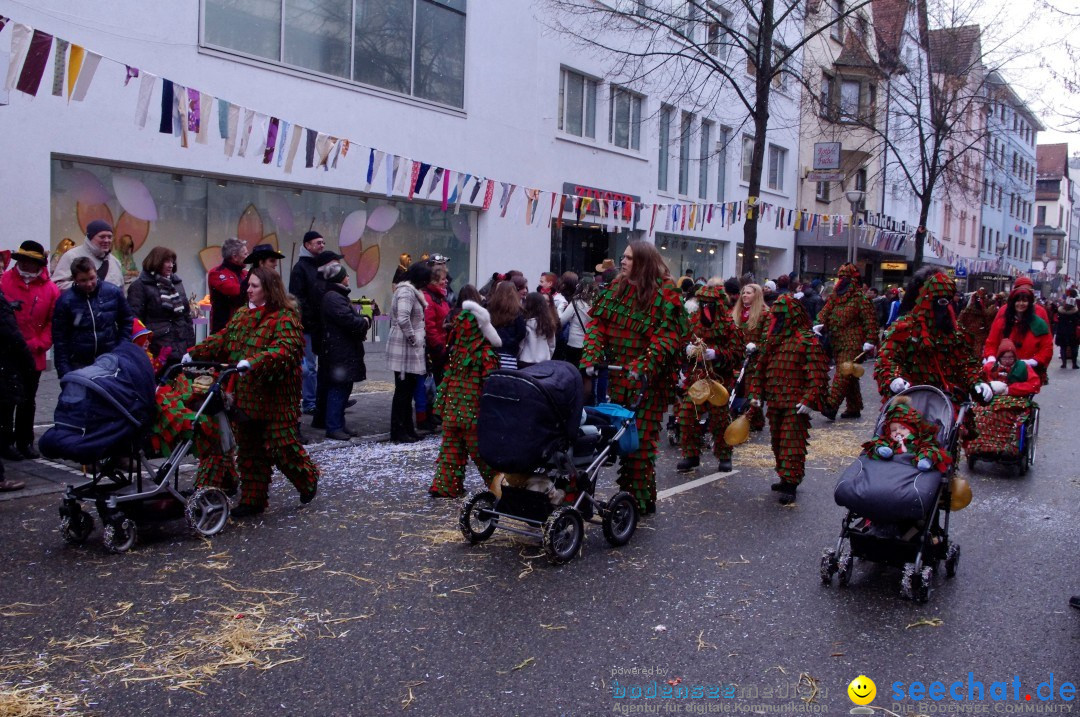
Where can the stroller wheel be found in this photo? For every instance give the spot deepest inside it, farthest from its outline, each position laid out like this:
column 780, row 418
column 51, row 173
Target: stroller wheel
column 923, row 589
column 564, row 531
column 477, row 525
column 908, row 579
column 843, row 569
column 207, row 511
column 828, row 566
column 620, row 519
column 76, row 528
column 952, row 560
column 119, row 535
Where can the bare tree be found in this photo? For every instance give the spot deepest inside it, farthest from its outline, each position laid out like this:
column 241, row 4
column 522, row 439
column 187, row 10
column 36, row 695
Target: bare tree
column 703, row 51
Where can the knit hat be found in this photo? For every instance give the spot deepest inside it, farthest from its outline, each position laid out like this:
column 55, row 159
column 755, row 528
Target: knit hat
column 32, row 251
column 1022, row 285
column 312, row 235
column 770, row 285
column 325, row 258
column 333, row 273
column 96, row 227
column 1006, row 346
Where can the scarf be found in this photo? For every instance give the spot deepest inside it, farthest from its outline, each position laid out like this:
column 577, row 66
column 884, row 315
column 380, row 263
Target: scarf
column 171, row 300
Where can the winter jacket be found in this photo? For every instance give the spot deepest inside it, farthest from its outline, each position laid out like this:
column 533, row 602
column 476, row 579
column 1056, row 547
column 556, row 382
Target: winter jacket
column 535, row 348
column 512, row 335
column 1036, row 344
column 405, row 345
column 303, row 282
column 344, row 331
column 1022, row 379
column 576, row 314
column 226, row 293
column 172, row 329
column 34, row 304
column 1065, row 330
column 61, row 274
column 813, row 303
column 86, row 326
column 438, row 308
column 15, row 360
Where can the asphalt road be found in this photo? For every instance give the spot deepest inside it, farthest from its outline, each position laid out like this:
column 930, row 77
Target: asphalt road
column 367, row 601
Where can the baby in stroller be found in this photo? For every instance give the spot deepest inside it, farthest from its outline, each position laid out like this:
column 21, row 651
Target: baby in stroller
column 907, row 432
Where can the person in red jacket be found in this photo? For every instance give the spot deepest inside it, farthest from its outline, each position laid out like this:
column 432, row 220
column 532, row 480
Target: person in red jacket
column 1024, row 323
column 33, row 295
column 996, row 424
column 435, row 313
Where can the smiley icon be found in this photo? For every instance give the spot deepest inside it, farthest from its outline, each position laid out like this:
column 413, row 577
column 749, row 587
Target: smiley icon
column 862, row 690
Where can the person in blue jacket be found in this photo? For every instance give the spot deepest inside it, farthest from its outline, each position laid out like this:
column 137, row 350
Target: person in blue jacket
column 89, row 320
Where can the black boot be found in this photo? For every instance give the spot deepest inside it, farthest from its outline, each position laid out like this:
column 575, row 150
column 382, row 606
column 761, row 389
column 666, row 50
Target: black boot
column 829, row 412
column 724, row 465
column 688, row 464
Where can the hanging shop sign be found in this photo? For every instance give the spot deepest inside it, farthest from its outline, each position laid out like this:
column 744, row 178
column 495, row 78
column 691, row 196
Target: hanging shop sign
column 583, row 190
column 826, row 155
column 893, row 266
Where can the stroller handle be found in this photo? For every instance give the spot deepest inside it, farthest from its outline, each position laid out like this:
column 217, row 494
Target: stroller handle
column 223, row 369
column 642, row 379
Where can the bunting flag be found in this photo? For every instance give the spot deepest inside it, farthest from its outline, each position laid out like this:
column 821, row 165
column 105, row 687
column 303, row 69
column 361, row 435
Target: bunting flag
column 182, row 111
column 555, row 198
column 89, row 67
column 146, row 91
column 652, row 220
column 206, row 106
column 294, row 146
column 309, row 148
column 504, row 203
column 224, row 109
column 59, row 66
column 194, row 116
column 245, row 131
column 166, row 123
column 37, row 57
column 20, row 44
column 271, row 140
column 446, row 192
column 75, row 63
column 489, row 191
column 130, row 74
column 391, row 168
column 414, row 176
column 435, row 179
column 232, row 130
column 283, row 142
column 459, row 191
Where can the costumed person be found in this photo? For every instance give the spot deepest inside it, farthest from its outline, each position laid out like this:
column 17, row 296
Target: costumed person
column 1027, row 325
column 997, row 423
column 851, row 321
column 977, row 317
column 907, row 432
column 638, row 323
column 791, row 378
column 265, row 338
column 924, row 348
column 750, row 314
column 471, row 357
column 715, row 353
column 1065, row 329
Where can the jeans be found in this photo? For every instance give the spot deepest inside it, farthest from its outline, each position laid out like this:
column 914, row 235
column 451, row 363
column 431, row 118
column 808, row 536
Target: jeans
column 20, row 432
column 310, row 380
column 401, row 415
column 336, row 396
column 420, row 395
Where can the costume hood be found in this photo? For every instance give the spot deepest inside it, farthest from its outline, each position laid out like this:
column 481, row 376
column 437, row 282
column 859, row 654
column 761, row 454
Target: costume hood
column 483, row 321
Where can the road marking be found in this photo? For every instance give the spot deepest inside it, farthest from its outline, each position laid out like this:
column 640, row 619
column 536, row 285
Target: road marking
column 697, row 483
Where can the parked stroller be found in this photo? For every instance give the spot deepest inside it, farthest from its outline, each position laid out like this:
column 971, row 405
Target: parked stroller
column 897, row 514
column 103, row 420
column 531, row 429
column 1007, row 433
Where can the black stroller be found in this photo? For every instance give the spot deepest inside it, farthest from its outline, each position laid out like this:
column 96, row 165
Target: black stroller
column 898, row 515
column 102, row 420
column 530, row 429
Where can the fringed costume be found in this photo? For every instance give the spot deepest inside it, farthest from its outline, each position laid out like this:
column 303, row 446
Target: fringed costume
column 849, row 317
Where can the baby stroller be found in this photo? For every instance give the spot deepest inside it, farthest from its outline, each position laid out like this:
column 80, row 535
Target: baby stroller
column 102, row 420
column 1008, row 432
column 897, row 514
column 530, row 427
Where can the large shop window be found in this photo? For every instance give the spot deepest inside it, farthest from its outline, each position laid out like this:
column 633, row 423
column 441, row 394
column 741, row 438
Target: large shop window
column 194, row 215
column 415, row 47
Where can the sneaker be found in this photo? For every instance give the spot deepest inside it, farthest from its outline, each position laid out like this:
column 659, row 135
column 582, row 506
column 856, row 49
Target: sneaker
column 6, row 486
column 688, row 464
column 724, row 465
column 29, row 452
column 351, row 431
column 338, row 436
column 306, row 496
column 9, row 453
column 244, row 510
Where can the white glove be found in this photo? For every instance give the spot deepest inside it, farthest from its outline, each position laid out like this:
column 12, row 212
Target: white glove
column 817, row 328
column 633, row 375
column 798, row 295
column 756, row 403
column 1032, row 363
column 898, row 385
column 984, row 391
column 989, row 359
column 710, row 354
column 868, row 347
column 590, row 371
column 802, row 409
column 691, row 349
column 999, row 387
column 186, row 359
column 243, row 365
column 751, row 347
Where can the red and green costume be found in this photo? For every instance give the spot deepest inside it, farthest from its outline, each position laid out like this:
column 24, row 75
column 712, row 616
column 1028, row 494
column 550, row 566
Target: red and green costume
column 711, row 324
column 976, row 319
column 646, row 342
column 997, row 424
column 920, row 441
column 472, row 342
column 269, row 395
column 921, row 349
column 793, row 369
column 848, row 316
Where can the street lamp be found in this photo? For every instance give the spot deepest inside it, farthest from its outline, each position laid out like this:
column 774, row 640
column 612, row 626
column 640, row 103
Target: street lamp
column 855, row 198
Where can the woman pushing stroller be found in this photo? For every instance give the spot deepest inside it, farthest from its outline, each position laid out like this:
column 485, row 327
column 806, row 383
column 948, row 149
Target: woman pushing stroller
column 1013, row 382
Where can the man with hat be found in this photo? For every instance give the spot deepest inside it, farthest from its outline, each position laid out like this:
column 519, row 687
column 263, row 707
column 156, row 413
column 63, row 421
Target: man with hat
column 227, row 293
column 262, row 255
column 302, row 285
column 33, row 296
column 606, row 272
column 99, row 241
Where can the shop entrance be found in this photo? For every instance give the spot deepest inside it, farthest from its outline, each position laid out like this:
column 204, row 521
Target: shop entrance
column 580, row 247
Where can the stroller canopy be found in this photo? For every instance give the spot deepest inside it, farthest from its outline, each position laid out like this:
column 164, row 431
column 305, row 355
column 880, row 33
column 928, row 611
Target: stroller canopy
column 101, row 406
column 932, row 403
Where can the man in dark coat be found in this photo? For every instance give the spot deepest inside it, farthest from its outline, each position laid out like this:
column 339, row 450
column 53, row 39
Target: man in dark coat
column 16, row 367
column 91, row 318
column 341, row 362
column 302, row 282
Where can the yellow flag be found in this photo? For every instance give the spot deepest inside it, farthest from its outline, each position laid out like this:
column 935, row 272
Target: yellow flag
column 74, row 67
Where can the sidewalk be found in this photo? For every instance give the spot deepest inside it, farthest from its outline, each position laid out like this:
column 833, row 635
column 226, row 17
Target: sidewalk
column 370, row 416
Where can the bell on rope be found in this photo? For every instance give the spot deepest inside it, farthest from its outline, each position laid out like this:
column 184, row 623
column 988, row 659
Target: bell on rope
column 738, row 431
column 961, row 493
column 699, row 391
column 718, row 395
column 858, row 371
column 846, row 368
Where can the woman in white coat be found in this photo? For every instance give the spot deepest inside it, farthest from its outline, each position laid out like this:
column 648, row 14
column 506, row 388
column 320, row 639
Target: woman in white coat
column 405, row 349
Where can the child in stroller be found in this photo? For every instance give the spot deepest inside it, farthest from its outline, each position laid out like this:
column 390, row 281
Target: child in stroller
column 1006, row 429
column 899, row 494
column 530, row 429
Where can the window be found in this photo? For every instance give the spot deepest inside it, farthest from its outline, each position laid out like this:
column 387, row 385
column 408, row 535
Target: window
column 860, row 179
column 685, row 128
column 849, row 100
column 665, row 141
column 779, row 80
column 824, row 191
column 690, row 19
column 703, row 167
column 577, row 104
column 721, row 177
column 837, row 29
column 414, row 47
column 747, row 156
column 777, row 157
column 718, row 22
column 624, row 122
column 827, row 99
column 752, row 35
